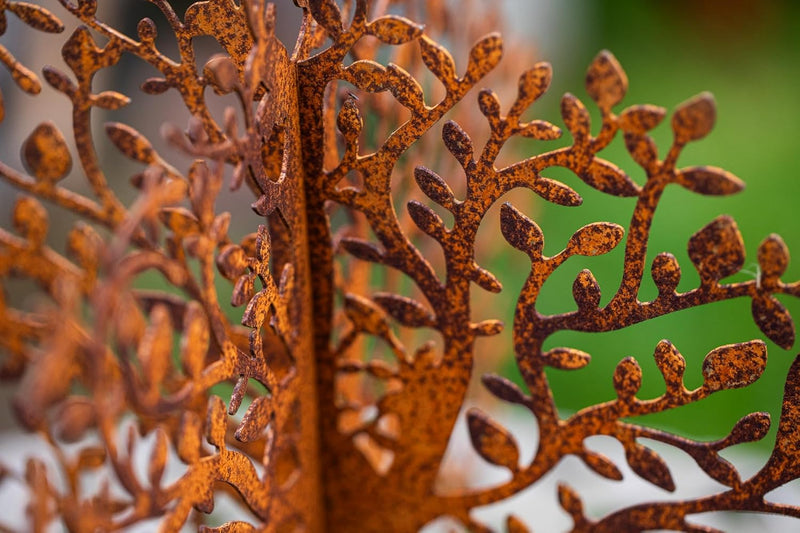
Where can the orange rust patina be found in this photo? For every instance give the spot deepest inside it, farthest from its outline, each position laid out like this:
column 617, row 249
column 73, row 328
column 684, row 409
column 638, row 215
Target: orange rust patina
column 319, row 448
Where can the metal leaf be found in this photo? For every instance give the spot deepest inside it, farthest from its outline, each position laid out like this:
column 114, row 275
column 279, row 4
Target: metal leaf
column 405, row 310
column 694, row 118
column 45, row 153
column 734, row 365
column 566, row 358
column 394, row 29
column 606, row 82
column 131, row 143
column 717, row 250
column 521, row 232
column 494, row 443
column 774, row 320
column 709, row 180
column 609, row 178
column 649, row 466
column 504, row 389
column 434, row 186
column 595, row 239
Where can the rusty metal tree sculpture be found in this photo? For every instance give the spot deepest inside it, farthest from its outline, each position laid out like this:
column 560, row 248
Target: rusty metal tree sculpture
column 314, row 439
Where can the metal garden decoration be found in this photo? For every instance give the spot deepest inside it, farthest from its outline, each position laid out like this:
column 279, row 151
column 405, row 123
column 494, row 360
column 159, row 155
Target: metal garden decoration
column 317, row 434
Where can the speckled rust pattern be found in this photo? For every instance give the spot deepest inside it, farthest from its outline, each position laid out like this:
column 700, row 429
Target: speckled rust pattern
column 320, row 431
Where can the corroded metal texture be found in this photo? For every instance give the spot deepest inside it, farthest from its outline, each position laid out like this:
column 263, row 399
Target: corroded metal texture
column 346, row 265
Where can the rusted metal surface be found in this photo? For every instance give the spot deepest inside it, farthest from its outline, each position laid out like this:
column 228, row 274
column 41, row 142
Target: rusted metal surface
column 334, row 437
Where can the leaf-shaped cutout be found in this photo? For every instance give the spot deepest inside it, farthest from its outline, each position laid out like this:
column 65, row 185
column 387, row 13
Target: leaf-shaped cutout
column 602, row 465
column 576, row 117
column 666, row 273
column 195, row 339
column 367, row 75
column 438, row 60
column 717, row 250
column 515, row 525
column 484, row 56
column 237, row 395
column 671, row 364
column 405, row 310
column 188, row 444
column 426, row 219
column 709, row 180
column 75, row 415
column 627, row 378
column 570, row 502
column 243, row 291
column 541, row 130
column 586, row 291
column 155, row 86
column 36, row 17
column 555, row 191
column 405, row 88
column 158, row 458
column 232, row 261
column 716, row 466
column 521, row 232
column 493, row 442
column 566, row 358
column 394, row 29
column 230, row 527
column 30, row 219
column 365, row 315
column 361, row 249
column 749, row 428
column 596, row 238
column 381, row 369
column 734, row 365
column 434, row 186
column 147, row 30
column 489, row 103
column 180, row 220
column 649, row 466
column 532, row 84
column 255, row 419
column 643, row 151
column 155, row 348
column 774, row 320
column 221, row 73
column 327, row 15
column 110, row 100
column 606, row 82
column 349, row 120
column 639, row 119
column 694, row 118
column 25, row 78
column 458, row 142
column 773, row 256
column 216, row 422
column 487, row 328
column 45, row 153
column 58, row 80
column 608, row 178
column 504, row 389
column 131, row 143
column 485, row 279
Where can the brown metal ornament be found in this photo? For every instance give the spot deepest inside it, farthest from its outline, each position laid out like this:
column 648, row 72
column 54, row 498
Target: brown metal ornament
column 319, row 433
